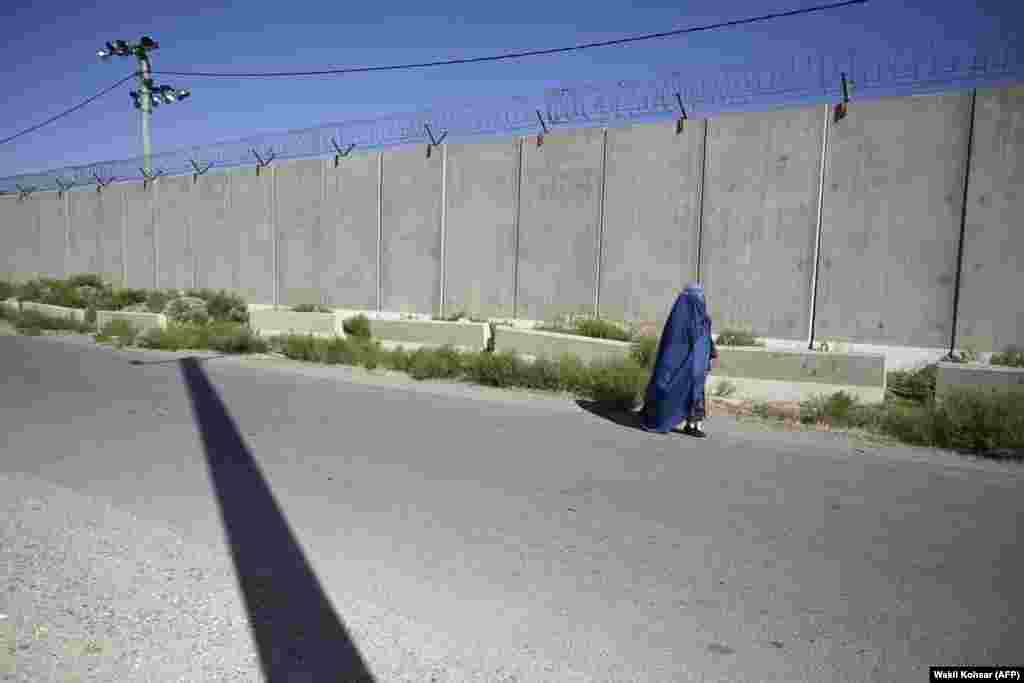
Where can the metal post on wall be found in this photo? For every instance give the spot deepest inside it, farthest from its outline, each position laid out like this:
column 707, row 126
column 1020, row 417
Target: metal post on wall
column 124, row 238
column 67, row 234
column 818, row 227
column 700, row 202
column 380, row 228
column 273, row 227
column 153, row 212
column 324, row 300
column 518, row 190
column 963, row 225
column 444, row 221
column 600, row 223
column 189, row 240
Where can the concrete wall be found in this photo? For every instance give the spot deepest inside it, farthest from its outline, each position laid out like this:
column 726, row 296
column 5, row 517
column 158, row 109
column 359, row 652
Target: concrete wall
column 173, row 205
column 607, row 219
column 235, row 249
column 347, row 259
column 251, row 199
column 992, row 285
column 20, row 226
column 52, row 235
column 558, row 224
column 139, row 233
column 9, row 216
column 480, row 225
column 651, row 215
column 300, row 189
column 411, row 231
column 211, row 232
column 760, row 218
column 96, row 235
column 891, row 221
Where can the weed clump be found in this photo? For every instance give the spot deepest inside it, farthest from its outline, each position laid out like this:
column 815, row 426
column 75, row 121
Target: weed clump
column 737, row 337
column 1011, row 357
column 121, row 331
column 584, row 326
column 357, row 326
column 917, row 385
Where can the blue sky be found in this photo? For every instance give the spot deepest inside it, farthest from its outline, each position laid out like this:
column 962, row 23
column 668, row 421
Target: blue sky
column 48, row 55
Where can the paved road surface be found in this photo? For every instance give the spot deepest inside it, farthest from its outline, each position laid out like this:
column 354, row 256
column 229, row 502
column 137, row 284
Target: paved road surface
column 483, row 536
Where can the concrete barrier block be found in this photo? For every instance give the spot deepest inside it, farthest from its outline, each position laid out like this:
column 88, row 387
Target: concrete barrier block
column 777, row 390
column 142, row 322
column 62, row 312
column 816, row 367
column 269, row 321
column 468, row 335
column 975, row 375
column 554, row 345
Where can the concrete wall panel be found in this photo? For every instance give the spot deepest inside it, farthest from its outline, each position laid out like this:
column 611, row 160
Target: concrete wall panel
column 20, row 238
column 347, row 259
column 250, row 209
column 558, row 224
column 300, row 186
column 214, row 233
column 95, row 239
column 173, row 205
column 649, row 245
column 992, row 282
column 480, row 240
column 760, row 217
column 140, row 234
column 52, row 234
column 890, row 221
column 8, row 238
column 411, row 231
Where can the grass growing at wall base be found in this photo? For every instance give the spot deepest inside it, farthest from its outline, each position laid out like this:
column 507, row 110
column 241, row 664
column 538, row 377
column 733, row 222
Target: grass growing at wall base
column 588, row 327
column 974, row 420
column 977, row 421
column 971, row 419
column 618, row 383
column 226, row 337
column 738, row 337
column 1011, row 357
column 33, row 322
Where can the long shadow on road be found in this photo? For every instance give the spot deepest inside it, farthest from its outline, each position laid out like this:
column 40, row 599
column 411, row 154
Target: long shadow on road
column 297, row 632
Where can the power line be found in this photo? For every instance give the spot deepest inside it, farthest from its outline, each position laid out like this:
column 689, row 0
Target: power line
column 516, row 55
column 69, row 111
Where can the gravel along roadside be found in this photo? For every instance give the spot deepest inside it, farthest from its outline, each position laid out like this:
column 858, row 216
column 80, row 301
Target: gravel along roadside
column 91, row 593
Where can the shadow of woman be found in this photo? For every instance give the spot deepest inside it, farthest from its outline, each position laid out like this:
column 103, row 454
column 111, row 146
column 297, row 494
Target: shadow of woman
column 620, row 416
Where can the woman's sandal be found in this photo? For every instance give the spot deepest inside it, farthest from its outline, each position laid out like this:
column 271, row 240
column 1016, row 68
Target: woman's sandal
column 693, row 431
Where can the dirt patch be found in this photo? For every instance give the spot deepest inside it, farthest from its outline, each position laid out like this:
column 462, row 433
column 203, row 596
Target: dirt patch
column 785, row 414
column 781, row 410
column 648, row 329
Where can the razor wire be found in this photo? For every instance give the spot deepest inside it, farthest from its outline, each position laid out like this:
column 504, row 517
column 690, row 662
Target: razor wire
column 802, row 81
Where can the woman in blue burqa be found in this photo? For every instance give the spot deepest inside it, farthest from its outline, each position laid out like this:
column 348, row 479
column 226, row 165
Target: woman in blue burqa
column 685, row 352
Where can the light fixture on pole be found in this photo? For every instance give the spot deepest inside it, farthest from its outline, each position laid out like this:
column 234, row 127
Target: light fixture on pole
column 150, row 95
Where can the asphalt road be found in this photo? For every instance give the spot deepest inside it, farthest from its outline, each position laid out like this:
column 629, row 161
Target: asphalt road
column 525, row 536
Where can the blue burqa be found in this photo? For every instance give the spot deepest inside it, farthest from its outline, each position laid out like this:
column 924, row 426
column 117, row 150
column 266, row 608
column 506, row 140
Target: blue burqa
column 682, row 364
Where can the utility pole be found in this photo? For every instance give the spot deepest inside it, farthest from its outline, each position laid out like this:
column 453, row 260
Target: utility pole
column 149, row 96
column 146, row 76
